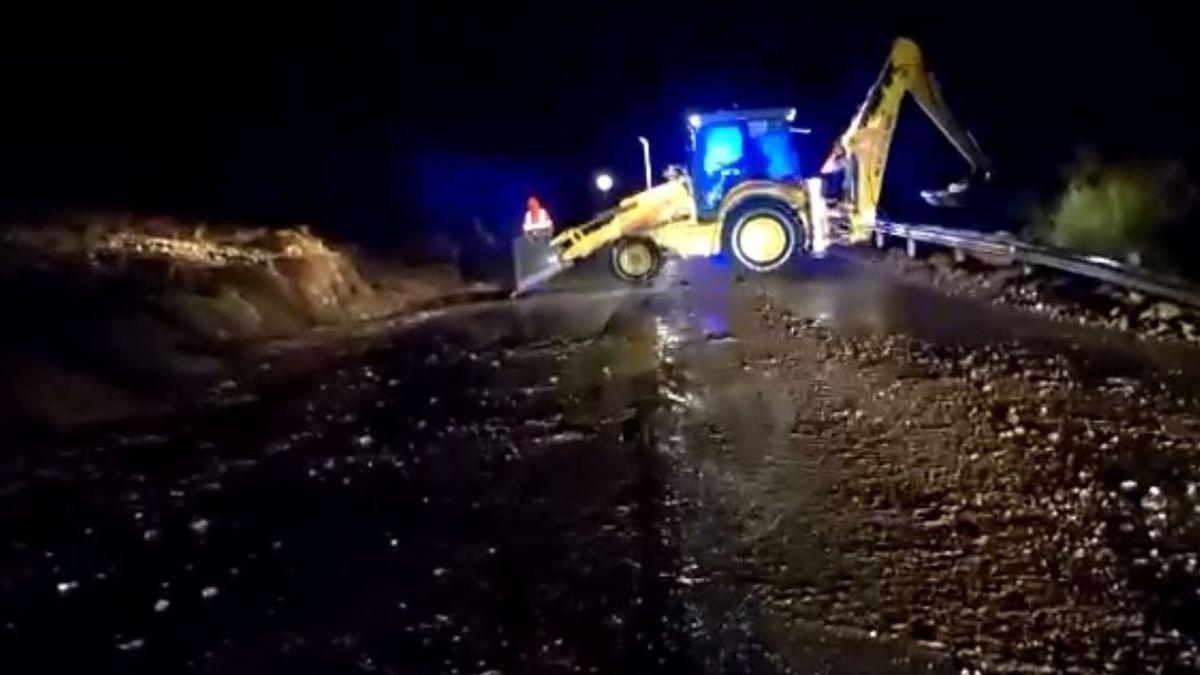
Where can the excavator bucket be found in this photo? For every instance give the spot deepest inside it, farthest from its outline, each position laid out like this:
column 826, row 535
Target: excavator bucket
column 534, row 262
column 953, row 196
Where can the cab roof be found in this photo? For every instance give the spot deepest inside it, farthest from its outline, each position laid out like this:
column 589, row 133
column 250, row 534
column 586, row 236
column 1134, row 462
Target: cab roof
column 697, row 120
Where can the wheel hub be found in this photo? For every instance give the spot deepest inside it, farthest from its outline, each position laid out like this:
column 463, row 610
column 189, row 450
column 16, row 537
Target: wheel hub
column 762, row 239
column 635, row 259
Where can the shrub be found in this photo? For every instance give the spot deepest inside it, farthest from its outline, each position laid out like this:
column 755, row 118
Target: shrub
column 1119, row 210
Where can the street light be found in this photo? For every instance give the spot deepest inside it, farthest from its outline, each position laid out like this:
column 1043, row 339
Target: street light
column 604, row 182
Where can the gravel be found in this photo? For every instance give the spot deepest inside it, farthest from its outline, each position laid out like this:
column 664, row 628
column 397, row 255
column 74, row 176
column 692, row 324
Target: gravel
column 1014, row 508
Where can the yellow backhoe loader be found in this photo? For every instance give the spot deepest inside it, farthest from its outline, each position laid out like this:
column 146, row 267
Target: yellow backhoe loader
column 742, row 192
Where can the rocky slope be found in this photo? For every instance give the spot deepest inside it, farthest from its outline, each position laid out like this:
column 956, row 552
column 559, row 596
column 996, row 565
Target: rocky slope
column 111, row 314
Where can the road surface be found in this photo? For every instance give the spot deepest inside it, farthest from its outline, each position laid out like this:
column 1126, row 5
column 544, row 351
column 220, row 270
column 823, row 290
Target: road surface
column 820, row 471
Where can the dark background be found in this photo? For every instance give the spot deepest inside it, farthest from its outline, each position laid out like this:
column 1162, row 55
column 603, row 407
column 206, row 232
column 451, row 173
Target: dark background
column 376, row 123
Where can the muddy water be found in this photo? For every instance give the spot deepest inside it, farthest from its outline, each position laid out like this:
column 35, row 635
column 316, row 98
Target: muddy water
column 819, row 473
column 486, row 496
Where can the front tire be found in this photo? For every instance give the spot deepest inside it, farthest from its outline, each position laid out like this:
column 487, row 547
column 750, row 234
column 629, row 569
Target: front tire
column 636, row 259
column 761, row 234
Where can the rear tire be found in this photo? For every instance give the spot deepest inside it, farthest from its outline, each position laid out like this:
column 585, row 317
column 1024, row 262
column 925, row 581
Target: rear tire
column 636, row 259
column 761, row 235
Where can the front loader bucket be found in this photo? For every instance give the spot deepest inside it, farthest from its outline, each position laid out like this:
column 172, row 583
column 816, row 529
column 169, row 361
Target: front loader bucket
column 534, row 262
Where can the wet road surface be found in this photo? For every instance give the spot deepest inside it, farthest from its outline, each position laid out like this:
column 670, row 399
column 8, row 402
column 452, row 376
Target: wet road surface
column 823, row 471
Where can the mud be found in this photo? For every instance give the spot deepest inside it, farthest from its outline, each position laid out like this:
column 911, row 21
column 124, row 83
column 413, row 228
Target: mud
column 822, row 472
column 1014, row 507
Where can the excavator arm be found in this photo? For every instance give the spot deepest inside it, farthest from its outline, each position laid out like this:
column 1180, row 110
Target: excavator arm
column 862, row 150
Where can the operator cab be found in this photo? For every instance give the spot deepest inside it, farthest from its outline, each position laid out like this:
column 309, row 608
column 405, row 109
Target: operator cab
column 729, row 147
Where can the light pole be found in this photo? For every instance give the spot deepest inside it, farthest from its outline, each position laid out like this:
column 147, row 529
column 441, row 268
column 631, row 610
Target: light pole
column 646, row 159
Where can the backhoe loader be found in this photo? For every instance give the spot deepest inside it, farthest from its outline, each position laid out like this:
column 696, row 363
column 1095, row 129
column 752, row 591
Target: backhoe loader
column 742, row 192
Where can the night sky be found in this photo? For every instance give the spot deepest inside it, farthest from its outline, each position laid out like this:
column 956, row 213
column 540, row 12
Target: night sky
column 376, row 123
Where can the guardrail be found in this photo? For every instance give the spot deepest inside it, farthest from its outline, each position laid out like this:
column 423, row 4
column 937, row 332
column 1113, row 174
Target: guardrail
column 1004, row 247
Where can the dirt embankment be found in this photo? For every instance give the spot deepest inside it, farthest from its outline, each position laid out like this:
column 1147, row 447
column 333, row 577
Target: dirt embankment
column 109, row 315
